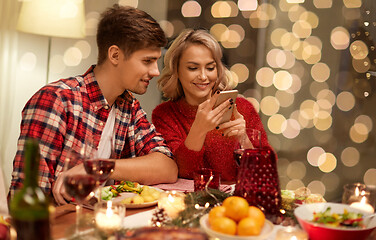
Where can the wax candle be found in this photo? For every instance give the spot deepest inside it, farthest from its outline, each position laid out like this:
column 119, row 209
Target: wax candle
column 363, row 205
column 172, row 202
column 291, row 233
column 109, row 218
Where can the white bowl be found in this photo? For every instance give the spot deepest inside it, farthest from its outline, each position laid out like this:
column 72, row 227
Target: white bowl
column 316, row 231
column 265, row 232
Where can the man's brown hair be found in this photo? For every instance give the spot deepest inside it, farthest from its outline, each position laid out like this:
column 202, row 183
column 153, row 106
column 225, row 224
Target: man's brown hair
column 128, row 28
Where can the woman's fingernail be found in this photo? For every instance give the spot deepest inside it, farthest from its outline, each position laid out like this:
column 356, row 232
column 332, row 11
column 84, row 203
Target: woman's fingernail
column 231, row 101
column 217, row 92
column 230, row 107
column 217, row 127
column 222, row 134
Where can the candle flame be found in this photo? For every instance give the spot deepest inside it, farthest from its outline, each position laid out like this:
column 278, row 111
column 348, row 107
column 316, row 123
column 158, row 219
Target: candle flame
column 357, row 191
column 109, row 211
column 363, row 200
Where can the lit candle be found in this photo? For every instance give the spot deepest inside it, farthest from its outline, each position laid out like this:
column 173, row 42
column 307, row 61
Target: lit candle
column 172, row 202
column 363, row 205
column 291, row 233
column 109, row 219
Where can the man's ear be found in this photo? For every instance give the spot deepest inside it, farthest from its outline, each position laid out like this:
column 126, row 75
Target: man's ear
column 114, row 54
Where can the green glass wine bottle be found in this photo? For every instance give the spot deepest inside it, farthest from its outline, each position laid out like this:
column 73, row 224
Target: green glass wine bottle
column 29, row 207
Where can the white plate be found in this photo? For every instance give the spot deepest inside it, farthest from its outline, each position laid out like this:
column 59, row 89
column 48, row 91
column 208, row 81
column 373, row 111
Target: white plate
column 125, row 195
column 142, row 219
column 265, row 232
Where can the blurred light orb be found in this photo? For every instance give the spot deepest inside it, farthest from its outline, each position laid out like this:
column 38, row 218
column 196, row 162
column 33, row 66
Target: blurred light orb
column 325, row 105
column 317, row 187
column 179, row 26
column 296, row 170
column 269, row 9
column 345, row 101
column 358, row 134
column 28, row 61
column 272, row 57
column 358, row 49
column 296, row 84
column 327, row 95
column 313, row 155
column 72, row 57
column 224, row 9
column 288, row 41
column 132, row 3
column 311, row 18
column 276, row 36
column 366, row 120
column 255, row 103
column 91, row 23
column 269, row 105
column 282, row 80
column 361, row 65
column 191, row 9
column 370, row 177
column 167, row 27
column 316, row 87
column 294, row 184
column 247, row 5
column 289, row 60
column 323, row 3
column 350, row 156
column 264, row 76
column 310, row 108
column 239, row 30
column 323, row 121
column 327, row 162
column 295, row 11
column 275, row 123
column 291, row 128
column 219, row 31
column 352, row 3
column 340, row 38
column 241, row 71
column 285, row 98
column 84, row 47
column 320, row 72
column 302, row 29
column 259, row 19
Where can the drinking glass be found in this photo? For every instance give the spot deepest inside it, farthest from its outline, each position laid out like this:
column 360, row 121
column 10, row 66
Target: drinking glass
column 249, row 138
column 202, row 176
column 77, row 183
column 99, row 161
column 109, row 217
column 352, row 192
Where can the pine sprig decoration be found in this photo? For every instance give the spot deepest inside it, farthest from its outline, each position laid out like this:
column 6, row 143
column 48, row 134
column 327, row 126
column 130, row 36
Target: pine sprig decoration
column 198, row 204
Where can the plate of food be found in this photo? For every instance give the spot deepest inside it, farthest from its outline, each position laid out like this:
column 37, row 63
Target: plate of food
column 132, row 194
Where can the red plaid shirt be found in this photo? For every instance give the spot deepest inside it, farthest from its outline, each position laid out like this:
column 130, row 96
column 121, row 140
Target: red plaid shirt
column 64, row 113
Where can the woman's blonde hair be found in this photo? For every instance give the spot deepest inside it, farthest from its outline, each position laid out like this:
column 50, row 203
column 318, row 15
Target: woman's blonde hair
column 169, row 82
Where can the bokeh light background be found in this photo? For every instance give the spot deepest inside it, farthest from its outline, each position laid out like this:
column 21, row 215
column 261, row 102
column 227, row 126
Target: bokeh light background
column 307, row 66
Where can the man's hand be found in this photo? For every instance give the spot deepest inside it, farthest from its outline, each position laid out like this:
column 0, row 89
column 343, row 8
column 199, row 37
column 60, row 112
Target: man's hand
column 59, row 191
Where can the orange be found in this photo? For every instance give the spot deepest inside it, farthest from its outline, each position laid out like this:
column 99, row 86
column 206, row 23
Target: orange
column 236, row 207
column 249, row 227
column 257, row 214
column 224, row 225
column 216, row 212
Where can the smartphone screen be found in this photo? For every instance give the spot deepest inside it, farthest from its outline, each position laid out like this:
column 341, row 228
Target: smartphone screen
column 223, row 96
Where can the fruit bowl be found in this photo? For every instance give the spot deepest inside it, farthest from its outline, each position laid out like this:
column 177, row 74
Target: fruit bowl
column 317, row 231
column 265, row 232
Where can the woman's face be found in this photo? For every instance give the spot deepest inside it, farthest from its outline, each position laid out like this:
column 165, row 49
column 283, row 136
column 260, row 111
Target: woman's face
column 197, row 72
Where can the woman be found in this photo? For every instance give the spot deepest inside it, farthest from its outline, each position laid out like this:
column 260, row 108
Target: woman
column 191, row 79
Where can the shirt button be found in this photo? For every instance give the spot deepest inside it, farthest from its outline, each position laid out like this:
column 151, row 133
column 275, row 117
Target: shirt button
column 101, row 124
column 106, row 107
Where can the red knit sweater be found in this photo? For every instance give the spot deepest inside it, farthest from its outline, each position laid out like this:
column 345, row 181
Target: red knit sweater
column 173, row 119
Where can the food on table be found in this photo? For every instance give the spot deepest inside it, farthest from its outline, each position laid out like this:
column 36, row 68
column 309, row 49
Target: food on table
column 147, row 195
column 291, row 199
column 236, row 217
column 162, row 233
column 347, row 219
column 4, row 229
column 125, row 186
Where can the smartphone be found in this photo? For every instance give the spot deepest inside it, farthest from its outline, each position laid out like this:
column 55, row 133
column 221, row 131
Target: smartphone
column 223, row 96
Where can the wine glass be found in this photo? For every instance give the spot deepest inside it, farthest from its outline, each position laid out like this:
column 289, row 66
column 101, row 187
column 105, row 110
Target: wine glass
column 78, row 184
column 99, row 162
column 250, row 138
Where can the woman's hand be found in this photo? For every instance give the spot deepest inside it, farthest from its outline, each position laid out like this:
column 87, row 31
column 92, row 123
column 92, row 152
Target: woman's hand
column 237, row 128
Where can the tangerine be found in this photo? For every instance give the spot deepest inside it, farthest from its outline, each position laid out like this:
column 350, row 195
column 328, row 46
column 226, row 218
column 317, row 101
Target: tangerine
column 249, row 227
column 236, row 207
column 215, row 212
column 224, row 225
column 257, row 214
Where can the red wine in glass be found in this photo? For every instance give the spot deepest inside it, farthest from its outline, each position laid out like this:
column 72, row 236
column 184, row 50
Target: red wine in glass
column 79, row 186
column 101, row 169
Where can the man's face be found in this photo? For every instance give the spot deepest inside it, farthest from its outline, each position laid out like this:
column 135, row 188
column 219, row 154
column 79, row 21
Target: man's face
column 135, row 72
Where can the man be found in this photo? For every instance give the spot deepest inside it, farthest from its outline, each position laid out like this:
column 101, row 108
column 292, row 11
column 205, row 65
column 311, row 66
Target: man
column 63, row 114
